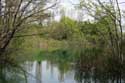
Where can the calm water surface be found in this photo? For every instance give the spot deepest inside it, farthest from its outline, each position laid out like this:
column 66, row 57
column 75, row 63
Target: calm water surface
column 48, row 72
column 44, row 72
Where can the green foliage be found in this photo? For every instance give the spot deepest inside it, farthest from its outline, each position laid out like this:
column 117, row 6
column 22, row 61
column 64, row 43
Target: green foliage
column 69, row 41
column 64, row 29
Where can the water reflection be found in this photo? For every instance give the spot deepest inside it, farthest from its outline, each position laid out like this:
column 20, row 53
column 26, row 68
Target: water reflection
column 51, row 72
column 47, row 72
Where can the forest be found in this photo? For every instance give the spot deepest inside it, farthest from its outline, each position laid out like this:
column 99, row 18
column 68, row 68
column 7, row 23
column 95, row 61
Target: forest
column 45, row 41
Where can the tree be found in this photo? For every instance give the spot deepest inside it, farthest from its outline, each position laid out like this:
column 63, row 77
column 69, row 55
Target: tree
column 15, row 14
column 64, row 29
column 109, row 15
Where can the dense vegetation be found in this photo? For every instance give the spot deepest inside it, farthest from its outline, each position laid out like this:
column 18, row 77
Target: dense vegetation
column 94, row 48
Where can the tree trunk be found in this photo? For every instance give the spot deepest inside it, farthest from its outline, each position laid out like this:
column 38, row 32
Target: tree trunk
column 5, row 41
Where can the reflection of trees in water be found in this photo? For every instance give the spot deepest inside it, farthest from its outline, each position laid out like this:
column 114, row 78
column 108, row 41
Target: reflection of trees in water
column 92, row 66
column 11, row 74
column 51, row 64
column 34, row 70
column 61, row 62
column 39, row 72
column 61, row 77
column 81, row 76
column 104, row 71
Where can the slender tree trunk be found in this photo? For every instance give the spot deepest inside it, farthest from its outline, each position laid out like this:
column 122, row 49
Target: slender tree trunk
column 5, row 41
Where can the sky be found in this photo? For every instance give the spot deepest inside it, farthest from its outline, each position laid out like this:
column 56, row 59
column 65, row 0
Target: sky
column 68, row 6
column 68, row 3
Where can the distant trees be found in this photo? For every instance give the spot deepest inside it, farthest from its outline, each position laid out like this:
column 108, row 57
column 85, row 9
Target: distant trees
column 64, row 29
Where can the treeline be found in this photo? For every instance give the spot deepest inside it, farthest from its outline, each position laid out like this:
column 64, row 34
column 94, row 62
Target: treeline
column 89, row 46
